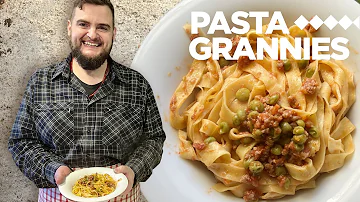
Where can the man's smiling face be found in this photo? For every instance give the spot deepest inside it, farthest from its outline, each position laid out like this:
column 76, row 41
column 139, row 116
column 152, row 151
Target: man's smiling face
column 91, row 33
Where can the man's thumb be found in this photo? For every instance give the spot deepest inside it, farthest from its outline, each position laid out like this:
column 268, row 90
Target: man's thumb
column 120, row 169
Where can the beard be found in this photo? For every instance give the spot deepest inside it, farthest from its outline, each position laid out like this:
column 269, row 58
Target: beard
column 86, row 62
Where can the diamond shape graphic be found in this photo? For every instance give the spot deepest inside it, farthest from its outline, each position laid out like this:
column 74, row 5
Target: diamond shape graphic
column 330, row 22
column 316, row 22
column 301, row 22
column 345, row 22
column 357, row 22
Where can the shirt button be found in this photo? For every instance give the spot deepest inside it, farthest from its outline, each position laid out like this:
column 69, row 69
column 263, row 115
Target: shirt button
column 88, row 131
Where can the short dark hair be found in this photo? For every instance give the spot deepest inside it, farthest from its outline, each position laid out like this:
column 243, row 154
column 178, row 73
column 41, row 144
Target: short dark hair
column 80, row 3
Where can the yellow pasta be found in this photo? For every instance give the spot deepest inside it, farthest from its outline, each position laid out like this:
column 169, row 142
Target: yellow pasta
column 94, row 185
column 265, row 128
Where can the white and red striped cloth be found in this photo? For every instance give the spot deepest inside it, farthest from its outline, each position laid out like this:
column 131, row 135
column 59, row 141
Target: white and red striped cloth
column 54, row 195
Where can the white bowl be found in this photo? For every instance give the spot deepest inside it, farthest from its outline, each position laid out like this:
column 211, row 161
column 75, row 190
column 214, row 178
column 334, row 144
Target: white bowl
column 66, row 187
column 167, row 47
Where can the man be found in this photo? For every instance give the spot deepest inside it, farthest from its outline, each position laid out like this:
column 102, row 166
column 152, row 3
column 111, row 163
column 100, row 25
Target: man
column 87, row 111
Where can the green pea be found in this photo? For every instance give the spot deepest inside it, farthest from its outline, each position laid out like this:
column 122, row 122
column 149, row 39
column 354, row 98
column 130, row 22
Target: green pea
column 257, row 134
column 223, row 62
column 246, row 140
column 243, row 94
column 300, row 123
column 273, row 99
column 298, row 130
column 285, row 140
column 247, row 162
column 280, row 170
column 276, row 150
column 299, row 147
column 250, row 126
column 253, row 114
column 256, row 105
column 313, row 132
column 236, row 142
column 287, row 65
column 256, row 167
column 299, row 139
column 309, row 72
column 236, row 120
column 302, row 63
column 285, row 127
column 287, row 183
column 224, row 127
column 275, row 133
column 209, row 140
column 241, row 114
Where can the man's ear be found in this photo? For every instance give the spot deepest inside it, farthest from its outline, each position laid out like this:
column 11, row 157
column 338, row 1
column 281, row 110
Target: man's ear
column 114, row 33
column 69, row 27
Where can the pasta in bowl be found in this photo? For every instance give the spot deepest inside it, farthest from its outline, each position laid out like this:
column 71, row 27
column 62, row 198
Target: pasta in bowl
column 265, row 128
column 93, row 184
column 218, row 169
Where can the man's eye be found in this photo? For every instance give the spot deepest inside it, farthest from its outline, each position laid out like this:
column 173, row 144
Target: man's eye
column 103, row 28
column 82, row 24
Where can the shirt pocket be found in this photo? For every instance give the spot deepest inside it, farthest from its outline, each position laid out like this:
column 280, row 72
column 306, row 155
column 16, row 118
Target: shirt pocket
column 122, row 126
column 55, row 124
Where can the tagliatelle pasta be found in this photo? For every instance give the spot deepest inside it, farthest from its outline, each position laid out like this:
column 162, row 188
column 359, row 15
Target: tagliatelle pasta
column 265, row 128
column 94, row 185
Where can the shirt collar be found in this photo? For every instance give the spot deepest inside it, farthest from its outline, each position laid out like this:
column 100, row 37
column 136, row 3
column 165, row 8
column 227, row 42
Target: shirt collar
column 117, row 70
column 63, row 68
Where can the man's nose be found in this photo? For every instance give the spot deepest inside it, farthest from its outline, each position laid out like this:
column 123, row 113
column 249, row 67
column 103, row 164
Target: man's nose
column 92, row 33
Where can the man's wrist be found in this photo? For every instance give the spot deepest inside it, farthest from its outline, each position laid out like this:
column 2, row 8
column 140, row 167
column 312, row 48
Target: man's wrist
column 133, row 168
column 50, row 170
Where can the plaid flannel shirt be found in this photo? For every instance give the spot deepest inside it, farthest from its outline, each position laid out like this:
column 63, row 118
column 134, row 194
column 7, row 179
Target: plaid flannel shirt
column 57, row 124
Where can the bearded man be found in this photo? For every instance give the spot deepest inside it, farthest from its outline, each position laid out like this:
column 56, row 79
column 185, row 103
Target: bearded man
column 87, row 111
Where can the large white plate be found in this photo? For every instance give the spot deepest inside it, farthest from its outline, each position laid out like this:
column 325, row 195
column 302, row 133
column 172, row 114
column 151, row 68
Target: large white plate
column 166, row 47
column 66, row 187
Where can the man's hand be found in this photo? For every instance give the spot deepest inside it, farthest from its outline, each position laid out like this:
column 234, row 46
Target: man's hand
column 61, row 174
column 130, row 175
